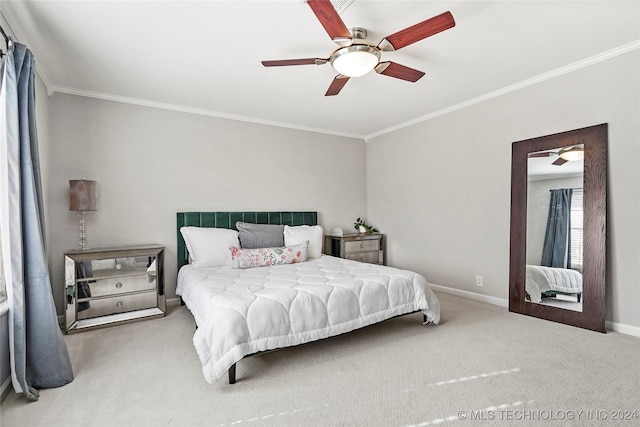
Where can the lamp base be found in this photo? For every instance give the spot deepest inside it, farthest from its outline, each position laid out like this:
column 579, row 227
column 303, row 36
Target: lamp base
column 82, row 243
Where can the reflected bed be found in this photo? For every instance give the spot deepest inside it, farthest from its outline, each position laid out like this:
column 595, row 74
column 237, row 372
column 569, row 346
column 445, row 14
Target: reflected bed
column 549, row 281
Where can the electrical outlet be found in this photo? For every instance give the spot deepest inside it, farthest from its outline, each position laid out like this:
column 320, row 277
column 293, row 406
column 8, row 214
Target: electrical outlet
column 478, row 280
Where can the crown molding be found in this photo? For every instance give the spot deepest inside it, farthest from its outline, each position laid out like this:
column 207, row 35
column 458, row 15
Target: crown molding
column 605, row 56
column 197, row 111
column 19, row 34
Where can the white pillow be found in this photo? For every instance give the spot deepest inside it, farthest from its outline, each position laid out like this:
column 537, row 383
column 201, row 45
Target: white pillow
column 301, row 233
column 209, row 247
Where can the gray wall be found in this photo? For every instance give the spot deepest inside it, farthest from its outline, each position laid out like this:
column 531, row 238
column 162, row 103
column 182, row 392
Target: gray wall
column 152, row 163
column 441, row 189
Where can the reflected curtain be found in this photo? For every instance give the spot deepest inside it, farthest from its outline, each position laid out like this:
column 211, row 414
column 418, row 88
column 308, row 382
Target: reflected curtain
column 39, row 355
column 556, row 251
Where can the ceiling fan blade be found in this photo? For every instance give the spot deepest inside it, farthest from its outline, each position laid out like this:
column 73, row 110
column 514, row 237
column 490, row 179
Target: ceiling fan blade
column 559, row 162
column 542, row 154
column 336, row 85
column 417, row 32
column 398, row 71
column 303, row 61
column 331, row 21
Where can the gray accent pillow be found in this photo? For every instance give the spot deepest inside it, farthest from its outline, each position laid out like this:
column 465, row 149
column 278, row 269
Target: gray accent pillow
column 253, row 236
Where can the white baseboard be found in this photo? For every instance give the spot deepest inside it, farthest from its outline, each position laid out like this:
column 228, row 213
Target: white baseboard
column 169, row 302
column 4, row 307
column 611, row 326
column 471, row 295
column 4, row 390
column 173, row 301
column 623, row 329
column 501, row 302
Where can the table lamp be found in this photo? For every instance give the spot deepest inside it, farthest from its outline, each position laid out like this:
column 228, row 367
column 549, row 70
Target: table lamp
column 83, row 196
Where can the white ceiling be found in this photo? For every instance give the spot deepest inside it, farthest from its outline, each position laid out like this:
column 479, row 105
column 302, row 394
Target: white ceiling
column 543, row 168
column 204, row 56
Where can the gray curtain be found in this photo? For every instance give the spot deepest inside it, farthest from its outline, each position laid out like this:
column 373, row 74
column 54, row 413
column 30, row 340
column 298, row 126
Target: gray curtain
column 556, row 251
column 39, row 355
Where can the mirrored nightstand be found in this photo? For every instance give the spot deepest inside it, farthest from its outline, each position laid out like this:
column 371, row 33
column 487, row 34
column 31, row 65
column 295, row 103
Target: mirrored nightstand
column 108, row 286
column 358, row 247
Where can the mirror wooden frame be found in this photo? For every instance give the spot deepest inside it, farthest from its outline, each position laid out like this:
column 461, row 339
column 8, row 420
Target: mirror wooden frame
column 595, row 140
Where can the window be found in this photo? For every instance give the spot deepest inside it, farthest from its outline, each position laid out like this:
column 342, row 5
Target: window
column 3, row 294
column 3, row 284
column 576, row 229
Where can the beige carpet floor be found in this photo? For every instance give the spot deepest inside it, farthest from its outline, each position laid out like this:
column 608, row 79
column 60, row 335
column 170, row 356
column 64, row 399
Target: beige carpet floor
column 482, row 364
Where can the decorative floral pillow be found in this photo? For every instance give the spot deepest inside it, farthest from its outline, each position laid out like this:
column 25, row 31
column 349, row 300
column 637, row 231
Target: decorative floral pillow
column 266, row 257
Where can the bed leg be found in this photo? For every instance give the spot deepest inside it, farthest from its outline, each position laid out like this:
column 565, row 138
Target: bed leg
column 425, row 321
column 232, row 374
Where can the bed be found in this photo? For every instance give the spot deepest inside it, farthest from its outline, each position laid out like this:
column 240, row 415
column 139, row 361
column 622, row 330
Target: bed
column 241, row 310
column 546, row 282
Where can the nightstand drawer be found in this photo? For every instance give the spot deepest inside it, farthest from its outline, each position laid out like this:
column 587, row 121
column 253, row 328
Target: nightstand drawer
column 362, row 246
column 118, row 304
column 370, row 257
column 122, row 285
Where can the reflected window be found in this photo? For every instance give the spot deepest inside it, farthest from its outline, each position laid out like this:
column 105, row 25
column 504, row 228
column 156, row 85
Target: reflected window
column 576, row 229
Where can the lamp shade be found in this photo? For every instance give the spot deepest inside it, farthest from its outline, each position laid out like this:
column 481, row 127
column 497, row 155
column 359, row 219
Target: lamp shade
column 83, row 195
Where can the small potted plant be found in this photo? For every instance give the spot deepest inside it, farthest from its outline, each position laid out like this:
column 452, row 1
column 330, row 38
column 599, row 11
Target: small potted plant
column 363, row 227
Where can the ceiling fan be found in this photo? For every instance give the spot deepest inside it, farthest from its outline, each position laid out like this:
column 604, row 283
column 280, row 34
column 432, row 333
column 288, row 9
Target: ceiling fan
column 565, row 155
column 355, row 56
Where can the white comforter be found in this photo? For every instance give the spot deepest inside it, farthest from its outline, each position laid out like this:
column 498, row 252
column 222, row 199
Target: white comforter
column 541, row 279
column 239, row 312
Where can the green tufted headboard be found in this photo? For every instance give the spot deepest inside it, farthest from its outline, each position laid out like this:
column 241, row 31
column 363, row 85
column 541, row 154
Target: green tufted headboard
column 228, row 220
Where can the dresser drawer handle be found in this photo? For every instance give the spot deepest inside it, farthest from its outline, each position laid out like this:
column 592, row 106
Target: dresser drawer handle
column 119, row 285
column 363, row 258
column 119, row 304
column 361, row 245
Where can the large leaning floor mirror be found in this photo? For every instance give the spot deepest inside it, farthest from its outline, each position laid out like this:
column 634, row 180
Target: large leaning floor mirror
column 558, row 227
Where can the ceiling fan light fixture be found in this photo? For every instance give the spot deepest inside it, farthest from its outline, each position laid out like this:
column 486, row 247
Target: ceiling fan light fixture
column 355, row 60
column 572, row 154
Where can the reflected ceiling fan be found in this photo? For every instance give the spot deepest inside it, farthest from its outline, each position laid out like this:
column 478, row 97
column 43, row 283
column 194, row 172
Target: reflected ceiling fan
column 355, row 56
column 565, row 155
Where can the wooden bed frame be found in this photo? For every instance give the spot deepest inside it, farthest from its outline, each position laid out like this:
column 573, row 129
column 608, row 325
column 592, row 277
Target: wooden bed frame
column 228, row 220
column 553, row 294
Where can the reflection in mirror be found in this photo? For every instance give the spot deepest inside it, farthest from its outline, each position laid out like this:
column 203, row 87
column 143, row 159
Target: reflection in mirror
column 548, row 175
column 555, row 227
